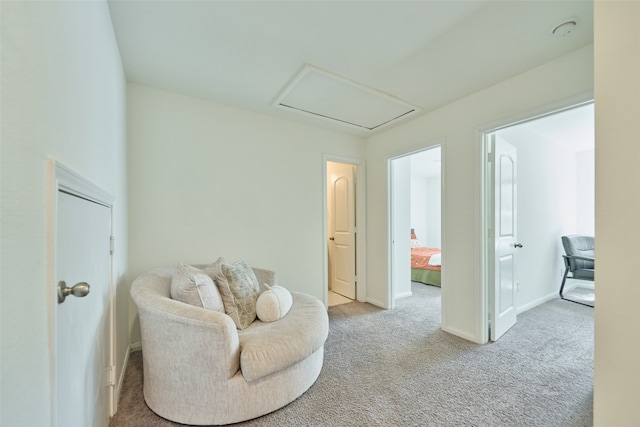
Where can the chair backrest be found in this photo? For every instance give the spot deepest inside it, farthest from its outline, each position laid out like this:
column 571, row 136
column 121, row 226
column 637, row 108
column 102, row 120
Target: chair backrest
column 579, row 245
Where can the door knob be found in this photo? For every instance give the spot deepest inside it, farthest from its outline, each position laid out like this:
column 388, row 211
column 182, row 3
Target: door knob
column 331, row 238
column 517, row 245
column 79, row 290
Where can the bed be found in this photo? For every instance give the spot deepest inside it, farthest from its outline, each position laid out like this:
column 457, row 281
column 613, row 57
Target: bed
column 426, row 265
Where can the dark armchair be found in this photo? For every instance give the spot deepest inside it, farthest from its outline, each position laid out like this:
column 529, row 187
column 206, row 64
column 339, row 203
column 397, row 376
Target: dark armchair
column 579, row 259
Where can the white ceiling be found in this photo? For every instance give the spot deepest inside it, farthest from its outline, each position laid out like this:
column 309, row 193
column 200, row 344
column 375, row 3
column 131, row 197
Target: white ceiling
column 426, row 53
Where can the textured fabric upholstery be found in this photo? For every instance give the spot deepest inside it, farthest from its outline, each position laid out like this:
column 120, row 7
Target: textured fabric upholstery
column 582, row 246
column 193, row 358
column 193, row 286
column 273, row 346
column 238, row 288
column 273, row 304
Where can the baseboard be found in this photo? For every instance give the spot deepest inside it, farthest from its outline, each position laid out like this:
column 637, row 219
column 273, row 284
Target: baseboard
column 537, row 302
column 377, row 303
column 461, row 334
column 403, row 294
column 116, row 398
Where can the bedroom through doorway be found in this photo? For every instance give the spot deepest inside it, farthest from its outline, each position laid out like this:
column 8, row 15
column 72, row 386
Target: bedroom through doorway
column 415, row 216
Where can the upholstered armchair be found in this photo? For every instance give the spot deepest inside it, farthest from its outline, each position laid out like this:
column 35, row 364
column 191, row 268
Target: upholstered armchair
column 200, row 369
column 579, row 258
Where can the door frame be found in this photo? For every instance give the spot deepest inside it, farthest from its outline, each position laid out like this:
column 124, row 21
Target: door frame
column 486, row 183
column 438, row 142
column 361, row 226
column 63, row 178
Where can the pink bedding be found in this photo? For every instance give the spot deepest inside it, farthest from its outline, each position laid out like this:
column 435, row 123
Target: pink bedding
column 420, row 258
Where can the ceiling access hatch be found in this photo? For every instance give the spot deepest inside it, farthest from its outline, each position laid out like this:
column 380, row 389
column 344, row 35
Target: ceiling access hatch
column 318, row 93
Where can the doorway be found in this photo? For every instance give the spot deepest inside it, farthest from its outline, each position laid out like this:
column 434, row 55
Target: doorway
column 83, row 312
column 555, row 197
column 415, row 221
column 344, row 227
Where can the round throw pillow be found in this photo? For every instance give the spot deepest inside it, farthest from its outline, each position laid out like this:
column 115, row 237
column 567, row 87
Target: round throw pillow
column 273, row 304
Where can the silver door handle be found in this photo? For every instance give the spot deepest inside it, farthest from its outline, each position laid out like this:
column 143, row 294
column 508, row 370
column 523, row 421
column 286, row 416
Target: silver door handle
column 79, row 290
column 517, row 245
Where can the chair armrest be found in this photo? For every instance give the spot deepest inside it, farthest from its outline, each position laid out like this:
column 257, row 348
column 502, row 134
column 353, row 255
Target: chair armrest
column 205, row 340
column 583, row 258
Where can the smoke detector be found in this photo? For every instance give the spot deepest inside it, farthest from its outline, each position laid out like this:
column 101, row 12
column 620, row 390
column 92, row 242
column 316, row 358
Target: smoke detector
column 564, row 29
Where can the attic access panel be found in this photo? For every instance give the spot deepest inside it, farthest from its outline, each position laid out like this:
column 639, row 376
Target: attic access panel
column 326, row 96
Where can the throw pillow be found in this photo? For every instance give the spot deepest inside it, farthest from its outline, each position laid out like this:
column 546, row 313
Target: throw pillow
column 273, row 304
column 194, row 286
column 239, row 289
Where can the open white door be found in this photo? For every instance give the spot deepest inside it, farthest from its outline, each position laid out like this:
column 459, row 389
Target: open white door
column 503, row 237
column 342, row 229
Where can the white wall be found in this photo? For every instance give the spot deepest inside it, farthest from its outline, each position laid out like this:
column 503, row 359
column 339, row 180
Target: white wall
column 425, row 209
column 206, row 180
column 547, row 210
column 540, row 89
column 586, row 180
column 63, row 96
column 434, row 213
column 617, row 108
column 419, row 195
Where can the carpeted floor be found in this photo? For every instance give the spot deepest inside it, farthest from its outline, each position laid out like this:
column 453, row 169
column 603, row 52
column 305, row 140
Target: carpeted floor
column 581, row 296
column 397, row 368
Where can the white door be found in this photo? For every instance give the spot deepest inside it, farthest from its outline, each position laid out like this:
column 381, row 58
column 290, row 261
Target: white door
column 342, row 229
column 83, row 230
column 502, row 299
column 400, row 221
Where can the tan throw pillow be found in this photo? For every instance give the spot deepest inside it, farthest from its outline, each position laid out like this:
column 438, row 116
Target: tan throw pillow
column 273, row 304
column 239, row 289
column 194, row 286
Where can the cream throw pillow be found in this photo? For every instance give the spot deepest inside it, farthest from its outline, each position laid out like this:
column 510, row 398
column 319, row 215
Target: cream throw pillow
column 238, row 288
column 194, row 286
column 273, row 304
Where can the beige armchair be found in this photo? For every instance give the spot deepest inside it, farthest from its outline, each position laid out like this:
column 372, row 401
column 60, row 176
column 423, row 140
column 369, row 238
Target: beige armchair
column 200, row 370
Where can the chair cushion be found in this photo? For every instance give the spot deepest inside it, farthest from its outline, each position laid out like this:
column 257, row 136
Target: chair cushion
column 266, row 348
column 239, row 289
column 583, row 274
column 193, row 286
column 579, row 245
column 273, row 304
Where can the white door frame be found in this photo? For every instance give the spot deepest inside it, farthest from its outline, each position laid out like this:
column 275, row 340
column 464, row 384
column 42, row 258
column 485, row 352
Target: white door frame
column 487, row 252
column 62, row 178
column 361, row 252
column 441, row 142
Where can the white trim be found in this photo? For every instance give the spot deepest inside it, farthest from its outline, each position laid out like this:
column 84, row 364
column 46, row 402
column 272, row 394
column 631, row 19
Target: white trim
column 403, row 295
column 307, row 69
column 63, row 179
column 434, row 143
column 486, row 258
column 537, row 302
column 123, row 373
column 361, row 224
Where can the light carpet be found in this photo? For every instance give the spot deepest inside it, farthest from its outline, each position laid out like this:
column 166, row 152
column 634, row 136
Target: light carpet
column 398, row 368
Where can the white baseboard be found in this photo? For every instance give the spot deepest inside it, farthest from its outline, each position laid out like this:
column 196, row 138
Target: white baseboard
column 116, row 397
column 403, row 294
column 537, row 302
column 377, row 303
